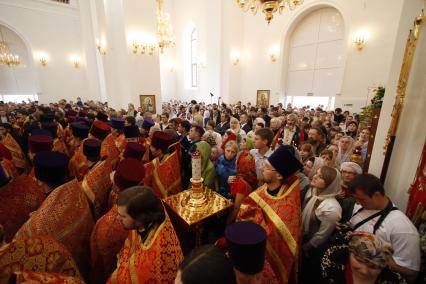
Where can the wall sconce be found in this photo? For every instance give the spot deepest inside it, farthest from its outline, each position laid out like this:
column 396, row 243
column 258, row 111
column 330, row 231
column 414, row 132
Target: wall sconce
column 100, row 47
column 42, row 58
column 76, row 61
column 274, row 52
column 143, row 48
column 235, row 57
column 360, row 40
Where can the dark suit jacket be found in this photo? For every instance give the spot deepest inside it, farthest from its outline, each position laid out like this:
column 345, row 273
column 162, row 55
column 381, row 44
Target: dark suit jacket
column 221, row 129
column 246, row 128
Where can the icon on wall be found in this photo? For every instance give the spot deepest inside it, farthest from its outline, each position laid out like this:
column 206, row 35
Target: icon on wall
column 263, row 98
column 147, row 103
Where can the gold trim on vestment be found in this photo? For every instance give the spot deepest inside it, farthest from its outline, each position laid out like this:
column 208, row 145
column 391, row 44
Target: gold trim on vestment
column 279, row 224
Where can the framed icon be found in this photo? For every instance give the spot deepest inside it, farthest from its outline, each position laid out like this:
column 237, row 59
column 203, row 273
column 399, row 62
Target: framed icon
column 263, row 98
column 147, row 103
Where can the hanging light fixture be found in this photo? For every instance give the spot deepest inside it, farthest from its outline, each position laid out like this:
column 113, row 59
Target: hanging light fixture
column 6, row 57
column 268, row 7
column 165, row 30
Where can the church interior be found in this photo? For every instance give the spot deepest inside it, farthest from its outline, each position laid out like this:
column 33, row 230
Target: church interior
column 175, row 62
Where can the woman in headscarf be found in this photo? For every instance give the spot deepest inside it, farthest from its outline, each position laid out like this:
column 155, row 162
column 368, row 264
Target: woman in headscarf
column 346, row 146
column 208, row 172
column 320, row 208
column 348, row 170
column 320, row 212
column 364, row 260
column 235, row 127
column 226, row 169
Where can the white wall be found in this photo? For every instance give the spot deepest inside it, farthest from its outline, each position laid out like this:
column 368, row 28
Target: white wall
column 206, row 16
column 223, row 27
column 362, row 69
column 17, row 80
column 55, row 29
column 411, row 135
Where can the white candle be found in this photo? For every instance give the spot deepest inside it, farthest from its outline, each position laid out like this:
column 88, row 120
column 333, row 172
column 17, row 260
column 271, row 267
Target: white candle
column 196, row 165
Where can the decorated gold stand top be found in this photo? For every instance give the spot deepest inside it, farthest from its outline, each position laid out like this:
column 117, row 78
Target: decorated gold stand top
column 181, row 204
column 198, row 203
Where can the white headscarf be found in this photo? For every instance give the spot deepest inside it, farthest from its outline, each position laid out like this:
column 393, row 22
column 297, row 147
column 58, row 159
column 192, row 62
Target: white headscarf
column 343, row 156
column 329, row 192
column 352, row 166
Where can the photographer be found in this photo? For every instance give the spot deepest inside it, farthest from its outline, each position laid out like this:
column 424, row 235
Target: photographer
column 375, row 213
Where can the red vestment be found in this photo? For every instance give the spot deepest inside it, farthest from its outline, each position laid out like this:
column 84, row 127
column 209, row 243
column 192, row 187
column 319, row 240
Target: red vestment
column 164, row 177
column 108, row 237
column 18, row 199
column 155, row 260
column 109, row 149
column 9, row 168
column 39, row 254
column 281, row 217
column 78, row 165
column 26, row 277
column 18, row 157
column 96, row 184
column 65, row 215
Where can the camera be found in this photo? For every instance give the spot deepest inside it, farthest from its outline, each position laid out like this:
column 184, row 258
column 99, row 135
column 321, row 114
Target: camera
column 341, row 236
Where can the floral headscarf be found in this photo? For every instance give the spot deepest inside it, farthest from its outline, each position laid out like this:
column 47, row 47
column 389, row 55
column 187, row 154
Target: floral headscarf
column 371, row 249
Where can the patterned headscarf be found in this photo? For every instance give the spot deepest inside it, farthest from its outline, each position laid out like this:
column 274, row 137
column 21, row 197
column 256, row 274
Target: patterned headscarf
column 371, row 249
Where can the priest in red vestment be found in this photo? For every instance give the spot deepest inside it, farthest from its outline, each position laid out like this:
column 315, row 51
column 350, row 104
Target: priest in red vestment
column 108, row 235
column 276, row 207
column 151, row 253
column 163, row 172
column 78, row 164
column 109, row 145
column 79, row 131
column 97, row 182
column 65, row 215
column 26, row 193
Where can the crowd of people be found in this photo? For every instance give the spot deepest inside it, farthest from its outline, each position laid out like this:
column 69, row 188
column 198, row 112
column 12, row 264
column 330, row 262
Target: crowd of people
column 82, row 186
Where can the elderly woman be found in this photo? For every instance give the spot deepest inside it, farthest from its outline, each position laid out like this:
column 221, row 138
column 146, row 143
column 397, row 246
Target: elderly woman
column 346, row 146
column 257, row 124
column 364, row 260
column 348, row 170
column 235, row 127
column 226, row 169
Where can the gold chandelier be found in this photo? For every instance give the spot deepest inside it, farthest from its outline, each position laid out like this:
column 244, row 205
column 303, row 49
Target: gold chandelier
column 6, row 57
column 165, row 31
column 269, row 7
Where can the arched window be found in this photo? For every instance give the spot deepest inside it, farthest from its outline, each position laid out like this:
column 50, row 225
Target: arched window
column 316, row 59
column 194, row 67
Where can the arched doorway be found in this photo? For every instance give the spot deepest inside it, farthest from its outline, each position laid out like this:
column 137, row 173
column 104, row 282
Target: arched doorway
column 17, row 83
column 316, row 59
